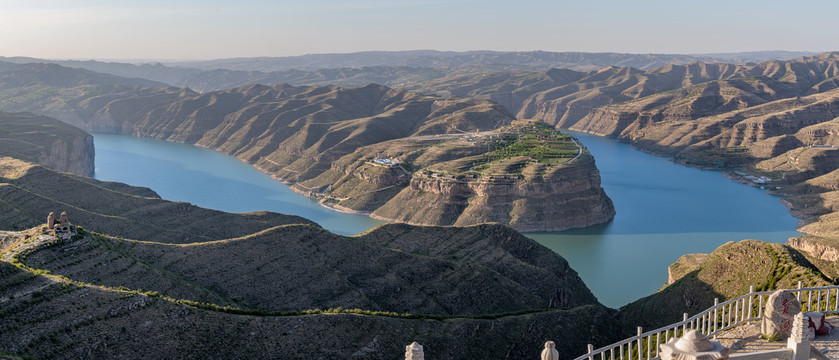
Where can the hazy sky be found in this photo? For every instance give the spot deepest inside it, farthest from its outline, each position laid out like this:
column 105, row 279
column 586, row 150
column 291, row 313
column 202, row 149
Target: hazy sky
column 151, row 29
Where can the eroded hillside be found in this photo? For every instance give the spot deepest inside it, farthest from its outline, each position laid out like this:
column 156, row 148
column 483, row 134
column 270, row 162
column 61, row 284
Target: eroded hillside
column 526, row 175
column 46, row 141
column 317, row 136
column 288, row 286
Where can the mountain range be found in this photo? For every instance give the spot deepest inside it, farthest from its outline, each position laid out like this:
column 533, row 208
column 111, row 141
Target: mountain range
column 321, row 138
column 391, row 68
column 773, row 119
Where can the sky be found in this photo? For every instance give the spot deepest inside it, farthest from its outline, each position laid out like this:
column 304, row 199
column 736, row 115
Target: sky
column 209, row 29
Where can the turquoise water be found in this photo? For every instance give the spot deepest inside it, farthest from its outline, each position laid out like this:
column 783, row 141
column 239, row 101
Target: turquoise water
column 209, row 179
column 664, row 210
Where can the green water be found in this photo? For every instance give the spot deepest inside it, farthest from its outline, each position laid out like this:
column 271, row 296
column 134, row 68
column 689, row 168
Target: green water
column 664, row 210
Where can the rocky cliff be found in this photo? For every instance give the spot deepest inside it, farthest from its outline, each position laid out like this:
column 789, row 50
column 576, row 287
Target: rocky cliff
column 526, row 175
column 46, row 141
column 539, row 200
column 817, row 248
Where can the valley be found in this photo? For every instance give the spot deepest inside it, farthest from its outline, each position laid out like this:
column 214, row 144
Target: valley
column 321, row 137
column 443, row 153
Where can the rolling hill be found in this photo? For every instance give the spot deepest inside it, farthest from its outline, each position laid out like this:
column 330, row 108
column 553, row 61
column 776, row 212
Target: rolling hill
column 301, row 133
column 289, row 281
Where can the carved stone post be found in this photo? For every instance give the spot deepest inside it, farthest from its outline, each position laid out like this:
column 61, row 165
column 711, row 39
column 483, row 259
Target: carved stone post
column 799, row 341
column 693, row 346
column 51, row 220
column 550, row 353
column 414, row 352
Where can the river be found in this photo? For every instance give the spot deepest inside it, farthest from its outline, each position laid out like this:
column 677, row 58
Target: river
column 664, row 210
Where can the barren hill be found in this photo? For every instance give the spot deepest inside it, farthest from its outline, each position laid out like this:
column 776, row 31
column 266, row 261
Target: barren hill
column 300, row 133
column 49, row 316
column 395, row 268
column 774, row 118
column 288, row 285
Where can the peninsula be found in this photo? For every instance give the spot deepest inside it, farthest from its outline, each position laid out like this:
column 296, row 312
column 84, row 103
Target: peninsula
column 362, row 149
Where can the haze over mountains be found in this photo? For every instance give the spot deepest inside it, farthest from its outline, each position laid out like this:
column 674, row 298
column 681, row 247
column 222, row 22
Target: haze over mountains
column 391, row 68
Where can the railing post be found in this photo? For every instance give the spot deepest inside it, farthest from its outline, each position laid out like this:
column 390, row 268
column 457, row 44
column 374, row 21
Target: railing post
column 799, row 290
column 685, row 323
column 751, row 291
column 639, row 343
column 760, row 309
column 836, row 305
column 716, row 313
column 621, row 350
column 590, row 349
column 819, row 300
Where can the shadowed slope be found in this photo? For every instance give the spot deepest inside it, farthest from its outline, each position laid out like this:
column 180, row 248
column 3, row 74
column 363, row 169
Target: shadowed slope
column 28, row 191
column 488, row 269
column 49, row 319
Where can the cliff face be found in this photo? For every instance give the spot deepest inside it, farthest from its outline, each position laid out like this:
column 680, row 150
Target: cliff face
column 561, row 199
column 818, row 249
column 74, row 155
column 525, row 175
column 46, row 141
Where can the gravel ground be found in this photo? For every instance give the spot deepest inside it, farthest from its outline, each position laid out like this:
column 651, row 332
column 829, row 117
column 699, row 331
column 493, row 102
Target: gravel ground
column 747, row 338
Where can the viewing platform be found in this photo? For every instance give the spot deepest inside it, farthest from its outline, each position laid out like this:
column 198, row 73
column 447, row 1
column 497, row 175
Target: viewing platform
column 752, row 326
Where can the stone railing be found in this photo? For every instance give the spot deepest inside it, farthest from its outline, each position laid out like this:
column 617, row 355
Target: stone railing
column 720, row 317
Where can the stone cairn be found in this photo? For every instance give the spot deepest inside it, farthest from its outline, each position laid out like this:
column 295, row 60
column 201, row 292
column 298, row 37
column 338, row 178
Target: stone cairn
column 781, row 308
column 414, row 352
column 550, row 353
column 694, row 345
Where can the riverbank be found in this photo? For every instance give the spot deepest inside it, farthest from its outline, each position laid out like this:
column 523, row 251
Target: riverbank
column 649, row 193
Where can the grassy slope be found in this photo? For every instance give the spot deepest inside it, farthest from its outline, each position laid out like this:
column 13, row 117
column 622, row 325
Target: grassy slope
column 725, row 273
